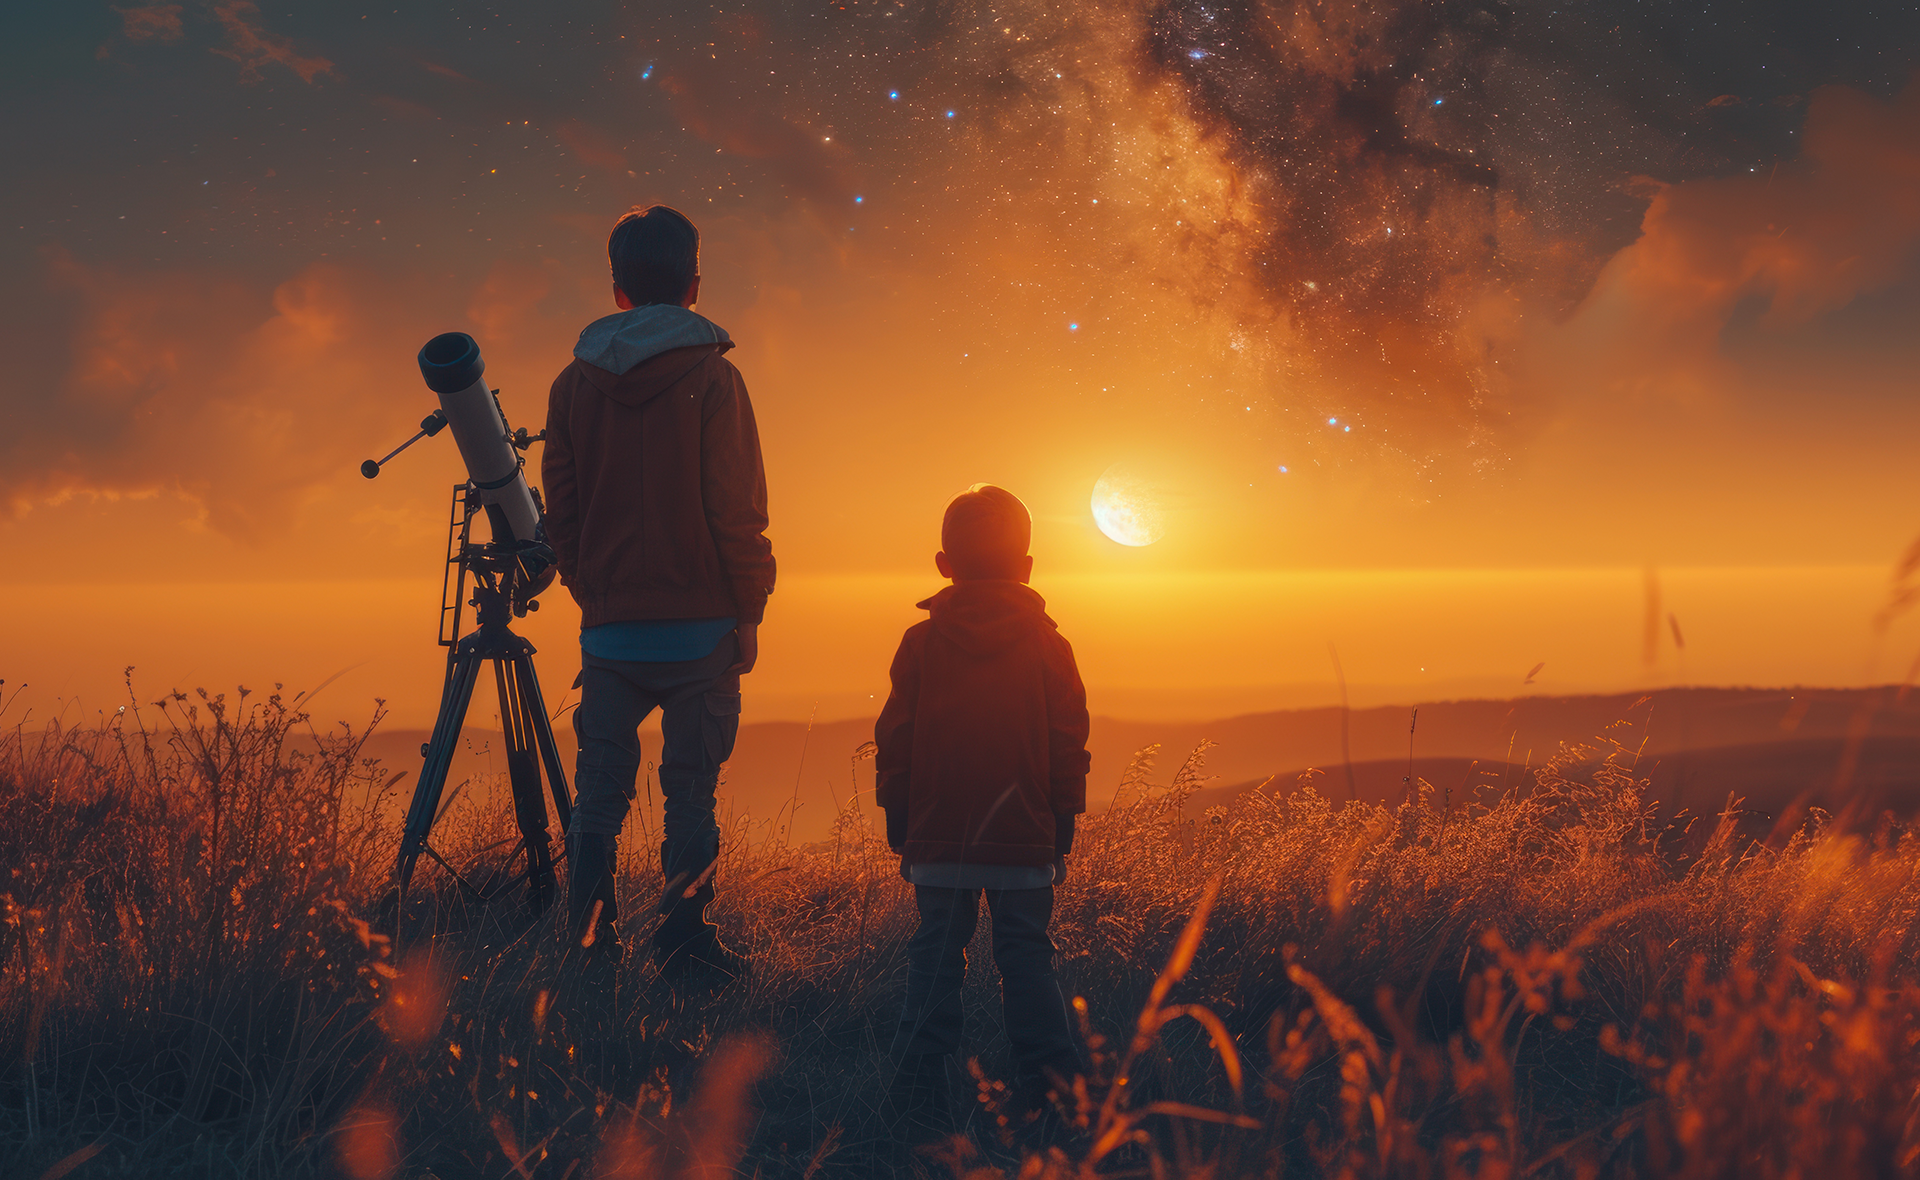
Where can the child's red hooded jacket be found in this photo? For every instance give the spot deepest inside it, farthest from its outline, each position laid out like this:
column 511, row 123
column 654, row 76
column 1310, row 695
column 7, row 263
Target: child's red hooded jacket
column 983, row 740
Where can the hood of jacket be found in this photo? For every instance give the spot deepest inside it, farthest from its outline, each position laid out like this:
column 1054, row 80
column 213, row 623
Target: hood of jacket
column 984, row 617
column 630, row 347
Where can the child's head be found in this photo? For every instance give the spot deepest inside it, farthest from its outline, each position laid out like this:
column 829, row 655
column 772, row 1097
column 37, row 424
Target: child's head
column 984, row 536
column 656, row 258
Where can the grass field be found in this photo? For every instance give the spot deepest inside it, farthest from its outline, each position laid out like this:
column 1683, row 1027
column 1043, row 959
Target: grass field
column 197, row 979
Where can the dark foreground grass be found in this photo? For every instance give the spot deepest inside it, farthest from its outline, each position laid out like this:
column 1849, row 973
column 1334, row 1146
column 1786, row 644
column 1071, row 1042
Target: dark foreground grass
column 196, row 979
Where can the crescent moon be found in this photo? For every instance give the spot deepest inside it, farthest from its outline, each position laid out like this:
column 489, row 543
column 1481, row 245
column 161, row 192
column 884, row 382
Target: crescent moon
column 1127, row 507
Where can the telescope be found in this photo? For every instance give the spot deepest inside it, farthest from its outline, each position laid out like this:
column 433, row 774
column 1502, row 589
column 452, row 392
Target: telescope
column 453, row 369
column 507, row 572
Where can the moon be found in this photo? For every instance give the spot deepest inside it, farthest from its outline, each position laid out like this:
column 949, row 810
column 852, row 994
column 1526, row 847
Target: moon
column 1127, row 507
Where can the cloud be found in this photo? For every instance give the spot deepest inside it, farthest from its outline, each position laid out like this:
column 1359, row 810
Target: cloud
column 1793, row 242
column 152, row 22
column 444, row 71
column 246, row 402
column 195, row 385
column 249, row 43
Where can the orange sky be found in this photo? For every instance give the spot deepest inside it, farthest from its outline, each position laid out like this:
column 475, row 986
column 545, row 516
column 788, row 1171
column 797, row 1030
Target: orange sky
column 1726, row 398
column 1169, row 646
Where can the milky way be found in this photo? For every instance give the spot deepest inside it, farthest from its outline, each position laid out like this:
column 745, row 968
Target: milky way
column 1367, row 200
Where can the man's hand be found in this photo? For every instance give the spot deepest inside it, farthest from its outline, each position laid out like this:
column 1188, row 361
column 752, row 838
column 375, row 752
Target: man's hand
column 1059, row 869
column 540, row 582
column 747, row 636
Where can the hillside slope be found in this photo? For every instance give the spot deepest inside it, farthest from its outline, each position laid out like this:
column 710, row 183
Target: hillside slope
column 1696, row 744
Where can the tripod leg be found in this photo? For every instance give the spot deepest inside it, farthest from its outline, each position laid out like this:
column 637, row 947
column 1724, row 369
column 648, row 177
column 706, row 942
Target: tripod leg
column 536, row 707
column 462, row 671
column 523, row 772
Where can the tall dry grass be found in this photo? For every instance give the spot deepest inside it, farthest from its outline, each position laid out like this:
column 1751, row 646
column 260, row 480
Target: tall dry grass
column 182, row 931
column 198, row 979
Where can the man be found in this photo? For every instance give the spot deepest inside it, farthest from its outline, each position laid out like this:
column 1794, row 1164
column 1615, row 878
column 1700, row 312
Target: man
column 657, row 512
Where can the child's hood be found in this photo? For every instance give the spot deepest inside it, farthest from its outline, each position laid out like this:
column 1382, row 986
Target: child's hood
column 985, row 617
column 624, row 342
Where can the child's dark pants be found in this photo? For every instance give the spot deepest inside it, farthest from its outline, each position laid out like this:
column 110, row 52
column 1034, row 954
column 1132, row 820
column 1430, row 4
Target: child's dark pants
column 1036, row 1013
column 699, row 720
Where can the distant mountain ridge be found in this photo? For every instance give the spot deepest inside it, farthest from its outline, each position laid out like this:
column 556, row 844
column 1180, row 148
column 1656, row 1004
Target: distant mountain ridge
column 793, row 776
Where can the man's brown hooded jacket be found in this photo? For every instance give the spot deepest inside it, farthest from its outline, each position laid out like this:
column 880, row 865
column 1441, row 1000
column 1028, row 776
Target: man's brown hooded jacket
column 656, row 496
column 983, row 740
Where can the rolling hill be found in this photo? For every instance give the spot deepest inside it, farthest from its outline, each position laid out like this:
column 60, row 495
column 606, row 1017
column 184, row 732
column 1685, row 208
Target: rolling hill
column 1773, row 746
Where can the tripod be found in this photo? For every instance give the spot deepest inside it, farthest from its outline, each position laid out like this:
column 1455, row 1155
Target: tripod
column 503, row 589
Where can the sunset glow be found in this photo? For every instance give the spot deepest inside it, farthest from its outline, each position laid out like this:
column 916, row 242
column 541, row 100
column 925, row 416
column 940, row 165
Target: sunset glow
column 936, row 278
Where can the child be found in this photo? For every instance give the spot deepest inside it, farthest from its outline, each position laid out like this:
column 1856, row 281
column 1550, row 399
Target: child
column 657, row 511
column 982, row 766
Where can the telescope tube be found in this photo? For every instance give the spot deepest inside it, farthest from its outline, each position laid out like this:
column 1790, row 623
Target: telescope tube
column 452, row 367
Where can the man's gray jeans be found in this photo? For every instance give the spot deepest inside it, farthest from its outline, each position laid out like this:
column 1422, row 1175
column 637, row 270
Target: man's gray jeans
column 699, row 720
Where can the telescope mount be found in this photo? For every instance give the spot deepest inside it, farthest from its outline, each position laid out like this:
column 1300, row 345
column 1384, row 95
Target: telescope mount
column 504, row 581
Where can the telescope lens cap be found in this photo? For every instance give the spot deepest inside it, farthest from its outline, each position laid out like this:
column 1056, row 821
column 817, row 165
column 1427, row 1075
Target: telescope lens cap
column 451, row 362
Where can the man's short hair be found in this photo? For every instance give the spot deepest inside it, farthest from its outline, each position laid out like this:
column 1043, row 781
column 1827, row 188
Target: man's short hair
column 655, row 254
column 985, row 532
